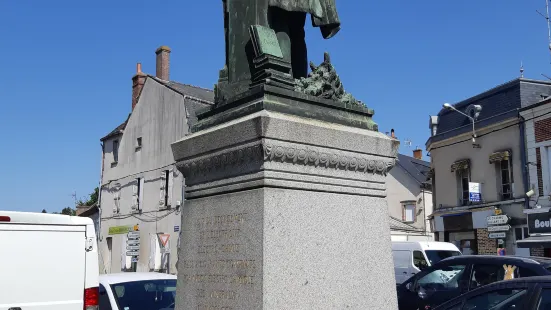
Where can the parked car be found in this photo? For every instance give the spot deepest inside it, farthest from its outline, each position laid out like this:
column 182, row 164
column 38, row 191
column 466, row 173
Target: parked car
column 520, row 294
column 410, row 257
column 457, row 275
column 137, row 291
column 48, row 261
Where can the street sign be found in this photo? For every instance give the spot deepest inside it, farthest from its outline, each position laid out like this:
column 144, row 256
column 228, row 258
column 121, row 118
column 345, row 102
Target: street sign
column 133, row 247
column 500, row 241
column 132, row 253
column 176, row 228
column 165, row 250
column 497, row 235
column 497, row 220
column 499, row 228
column 134, row 235
column 135, row 259
column 164, row 239
column 133, row 242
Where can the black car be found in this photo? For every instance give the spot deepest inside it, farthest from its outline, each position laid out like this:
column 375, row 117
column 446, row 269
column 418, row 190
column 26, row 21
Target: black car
column 458, row 275
column 520, row 294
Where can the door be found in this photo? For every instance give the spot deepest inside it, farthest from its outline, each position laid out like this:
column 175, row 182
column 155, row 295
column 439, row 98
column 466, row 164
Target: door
column 402, row 263
column 42, row 267
column 521, row 233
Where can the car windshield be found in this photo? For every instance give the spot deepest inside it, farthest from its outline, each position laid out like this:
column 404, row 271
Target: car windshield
column 148, row 294
column 435, row 256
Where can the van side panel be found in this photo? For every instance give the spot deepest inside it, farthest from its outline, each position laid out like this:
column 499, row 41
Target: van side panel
column 402, row 262
column 42, row 266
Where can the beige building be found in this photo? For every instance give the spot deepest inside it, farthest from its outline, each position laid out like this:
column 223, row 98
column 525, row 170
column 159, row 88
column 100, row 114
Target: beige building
column 409, row 198
column 472, row 179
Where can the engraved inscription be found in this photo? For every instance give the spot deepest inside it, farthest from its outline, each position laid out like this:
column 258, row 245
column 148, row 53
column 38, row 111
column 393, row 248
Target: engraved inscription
column 220, row 271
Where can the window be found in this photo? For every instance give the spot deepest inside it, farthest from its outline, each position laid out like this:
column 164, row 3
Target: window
column 104, row 303
column 435, row 256
column 545, row 299
column 167, row 175
column 115, row 151
column 149, row 294
column 500, row 299
column 408, row 213
column 486, row 274
column 442, row 279
column 505, row 179
column 137, row 194
column 419, row 260
column 138, row 143
column 463, row 178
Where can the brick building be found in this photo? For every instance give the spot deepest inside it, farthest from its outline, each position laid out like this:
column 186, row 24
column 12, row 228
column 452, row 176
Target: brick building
column 473, row 179
column 537, row 120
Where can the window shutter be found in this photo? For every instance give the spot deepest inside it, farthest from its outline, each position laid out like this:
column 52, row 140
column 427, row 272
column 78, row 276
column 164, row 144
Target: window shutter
column 170, row 188
column 140, row 194
column 154, row 253
column 123, row 253
column 135, row 196
column 162, row 191
column 403, row 213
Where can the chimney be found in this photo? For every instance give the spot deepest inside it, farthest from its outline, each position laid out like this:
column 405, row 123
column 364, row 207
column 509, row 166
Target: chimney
column 392, row 134
column 137, row 84
column 163, row 62
column 418, row 154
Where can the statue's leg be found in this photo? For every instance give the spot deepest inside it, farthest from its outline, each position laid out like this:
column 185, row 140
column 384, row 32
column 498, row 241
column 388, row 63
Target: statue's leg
column 299, row 52
column 278, row 21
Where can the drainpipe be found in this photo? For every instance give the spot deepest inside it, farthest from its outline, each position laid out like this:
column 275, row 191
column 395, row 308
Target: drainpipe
column 424, row 209
column 523, row 161
column 99, row 191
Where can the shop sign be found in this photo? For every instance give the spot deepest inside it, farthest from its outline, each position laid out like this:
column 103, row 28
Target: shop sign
column 119, row 230
column 497, row 220
column 539, row 223
column 474, row 192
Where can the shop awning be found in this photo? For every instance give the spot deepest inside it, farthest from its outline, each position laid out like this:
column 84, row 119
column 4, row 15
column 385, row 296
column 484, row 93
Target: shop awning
column 535, row 242
column 499, row 156
column 460, row 165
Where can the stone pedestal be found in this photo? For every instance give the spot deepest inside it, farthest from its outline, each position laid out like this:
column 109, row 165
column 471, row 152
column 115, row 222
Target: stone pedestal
column 285, row 211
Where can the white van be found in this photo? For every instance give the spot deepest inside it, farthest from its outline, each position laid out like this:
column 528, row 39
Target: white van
column 410, row 257
column 48, row 262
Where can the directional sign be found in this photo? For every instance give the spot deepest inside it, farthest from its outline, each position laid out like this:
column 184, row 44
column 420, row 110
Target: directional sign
column 133, row 247
column 499, row 228
column 135, row 259
column 132, row 253
column 134, row 235
column 133, row 242
column 498, row 235
column 500, row 241
column 497, row 220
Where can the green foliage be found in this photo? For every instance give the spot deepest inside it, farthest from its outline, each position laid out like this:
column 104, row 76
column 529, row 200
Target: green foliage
column 68, row 211
column 44, row 211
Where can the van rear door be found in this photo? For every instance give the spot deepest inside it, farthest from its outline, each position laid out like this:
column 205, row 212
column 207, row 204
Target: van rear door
column 42, row 267
column 402, row 263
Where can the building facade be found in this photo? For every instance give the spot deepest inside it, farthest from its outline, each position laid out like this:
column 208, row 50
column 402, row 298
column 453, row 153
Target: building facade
column 409, row 198
column 474, row 179
column 141, row 189
column 537, row 122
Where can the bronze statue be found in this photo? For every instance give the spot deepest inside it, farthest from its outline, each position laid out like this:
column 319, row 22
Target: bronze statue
column 288, row 17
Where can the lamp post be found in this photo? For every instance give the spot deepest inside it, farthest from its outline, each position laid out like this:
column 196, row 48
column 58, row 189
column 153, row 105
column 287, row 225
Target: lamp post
column 477, row 108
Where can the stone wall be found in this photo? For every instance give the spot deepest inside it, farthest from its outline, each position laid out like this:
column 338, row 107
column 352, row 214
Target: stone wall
column 486, row 246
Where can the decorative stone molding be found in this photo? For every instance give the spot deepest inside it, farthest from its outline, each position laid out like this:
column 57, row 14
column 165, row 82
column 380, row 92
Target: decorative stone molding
column 302, row 155
column 330, row 159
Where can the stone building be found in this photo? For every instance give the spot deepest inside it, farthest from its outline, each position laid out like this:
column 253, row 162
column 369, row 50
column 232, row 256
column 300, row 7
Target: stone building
column 471, row 179
column 141, row 189
column 409, row 198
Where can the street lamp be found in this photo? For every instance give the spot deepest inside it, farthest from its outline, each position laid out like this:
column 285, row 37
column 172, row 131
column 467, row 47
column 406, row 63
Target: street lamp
column 477, row 109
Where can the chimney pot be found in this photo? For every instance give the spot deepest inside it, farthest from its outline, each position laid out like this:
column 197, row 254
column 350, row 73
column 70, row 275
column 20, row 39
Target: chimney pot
column 392, row 133
column 418, row 154
column 163, row 63
column 138, row 82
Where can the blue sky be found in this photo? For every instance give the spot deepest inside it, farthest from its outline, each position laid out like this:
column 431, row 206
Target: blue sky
column 67, row 67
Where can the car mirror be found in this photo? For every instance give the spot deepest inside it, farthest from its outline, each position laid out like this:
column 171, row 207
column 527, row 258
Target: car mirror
column 422, row 294
column 409, row 286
